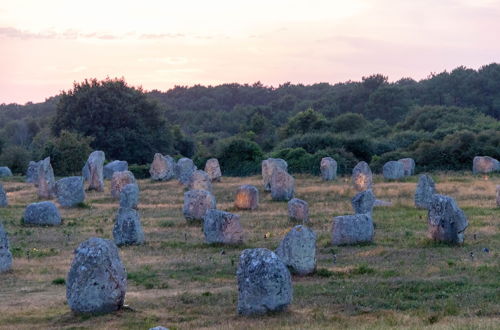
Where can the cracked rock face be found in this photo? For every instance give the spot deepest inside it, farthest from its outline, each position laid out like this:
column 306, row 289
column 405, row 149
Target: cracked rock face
column 362, row 177
column 328, row 168
column 5, row 254
column 162, row 168
column 298, row 250
column 446, row 221
column 212, row 167
column 268, row 167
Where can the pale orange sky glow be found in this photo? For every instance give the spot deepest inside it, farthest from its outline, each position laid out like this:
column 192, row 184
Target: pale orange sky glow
column 47, row 45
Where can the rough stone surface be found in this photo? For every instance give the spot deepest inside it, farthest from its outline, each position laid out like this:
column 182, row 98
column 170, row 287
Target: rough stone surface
column 114, row 166
column 446, row 221
column 424, row 192
column 328, row 168
column 362, row 177
column 484, row 165
column 222, row 227
column 200, row 180
column 119, row 181
column 129, row 196
column 282, row 185
column 196, row 204
column 408, row 166
column 352, row 229
column 93, row 171
column 5, row 255
column 128, row 229
column 298, row 250
column 4, row 202
column 498, row 194
column 97, row 280
column 5, row 171
column 42, row 214
column 264, row 283
column 184, row 169
column 247, row 198
column 268, row 167
column 298, row 210
column 46, row 181
column 363, row 202
column 70, row 191
column 32, row 172
column 212, row 167
column 393, row 170
column 162, row 168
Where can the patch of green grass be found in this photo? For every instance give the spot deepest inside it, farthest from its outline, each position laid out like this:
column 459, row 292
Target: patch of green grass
column 59, row 281
column 19, row 252
column 166, row 224
column 147, row 277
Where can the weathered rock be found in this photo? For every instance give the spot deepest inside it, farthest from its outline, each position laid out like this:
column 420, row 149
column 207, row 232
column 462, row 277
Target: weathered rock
column 247, row 198
column 212, row 167
column 298, row 250
column 498, row 194
column 328, row 168
column 363, row 202
column 196, row 204
column 200, row 180
column 184, row 169
column 352, row 229
column 128, row 229
column 93, row 171
column 4, row 202
column 424, row 192
column 408, row 166
column 298, row 210
column 264, row 283
column 268, row 167
column 362, row 177
column 162, row 168
column 119, row 181
column 485, row 164
column 282, row 185
column 70, row 191
column 222, row 227
column 129, row 196
column 159, row 328
column 32, row 172
column 393, row 170
column 5, row 255
column 46, row 181
column 114, row 166
column 5, row 171
column 97, row 280
column 446, row 221
column 42, row 214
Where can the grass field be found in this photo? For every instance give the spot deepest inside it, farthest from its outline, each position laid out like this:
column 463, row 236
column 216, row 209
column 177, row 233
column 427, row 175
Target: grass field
column 402, row 280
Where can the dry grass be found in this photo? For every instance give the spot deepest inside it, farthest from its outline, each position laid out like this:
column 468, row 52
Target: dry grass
column 400, row 281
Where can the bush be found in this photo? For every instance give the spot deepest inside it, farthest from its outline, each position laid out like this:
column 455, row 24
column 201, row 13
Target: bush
column 139, row 171
column 239, row 157
column 16, row 158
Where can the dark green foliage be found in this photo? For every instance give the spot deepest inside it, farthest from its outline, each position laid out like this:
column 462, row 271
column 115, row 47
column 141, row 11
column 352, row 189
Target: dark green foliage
column 304, row 122
column 59, row 281
column 139, row 171
column 16, row 158
column 239, row 157
column 349, row 122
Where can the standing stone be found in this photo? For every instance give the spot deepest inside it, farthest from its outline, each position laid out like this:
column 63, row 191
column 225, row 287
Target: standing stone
column 32, row 172
column 46, row 180
column 213, row 169
column 282, row 185
column 200, row 180
column 298, row 250
column 70, row 191
column 128, row 229
column 424, row 192
column 393, row 170
column 162, row 168
column 484, row 165
column 196, row 204
column 93, row 171
column 4, row 202
column 119, row 181
column 247, row 198
column 184, row 169
column 129, row 196
column 498, row 194
column 42, row 214
column 268, row 167
column 352, row 229
column 408, row 166
column 114, row 166
column 363, row 202
column 264, row 283
column 446, row 221
column 5, row 171
column 222, row 227
column 362, row 177
column 97, row 280
column 298, row 210
column 5, row 255
column 328, row 168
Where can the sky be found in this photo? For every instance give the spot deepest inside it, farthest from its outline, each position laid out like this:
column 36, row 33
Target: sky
column 46, row 46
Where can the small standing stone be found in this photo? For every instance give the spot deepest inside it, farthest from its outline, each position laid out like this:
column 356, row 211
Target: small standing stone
column 70, row 191
column 362, row 177
column 114, row 166
column 196, row 204
column 222, row 227
column 268, row 167
column 97, row 280
column 485, row 164
column 5, row 255
column 184, row 169
column 363, row 202
column 424, row 192
column 93, row 171
column 212, row 167
column 247, row 198
column 298, row 210
column 408, row 166
column 393, row 170
column 352, row 229
column 162, row 168
column 282, row 185
column 129, row 196
column 128, row 229
column 328, row 168
column 5, row 171
column 42, row 214
column 498, row 194
column 446, row 221
column 119, row 181
column 264, row 283
column 4, row 202
column 46, row 180
column 200, row 180
column 32, row 172
column 298, row 250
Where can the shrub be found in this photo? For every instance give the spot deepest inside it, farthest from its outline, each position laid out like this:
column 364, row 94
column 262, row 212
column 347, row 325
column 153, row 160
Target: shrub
column 139, row 171
column 16, row 158
column 239, row 157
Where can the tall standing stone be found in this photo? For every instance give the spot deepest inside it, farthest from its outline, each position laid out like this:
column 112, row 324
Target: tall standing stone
column 328, row 168
column 70, row 191
column 282, row 185
column 222, row 227
column 363, row 202
column 212, row 167
column 352, row 229
column 127, row 229
column 446, row 221
column 162, row 168
column 5, row 254
column 298, row 250
column 119, row 181
column 129, row 196
column 264, row 283
column 498, row 194
column 46, row 180
column 362, row 177
column 5, row 171
column 4, row 202
column 42, row 214
column 196, row 204
column 114, row 166
column 32, row 172
column 200, row 180
column 393, row 170
column 268, row 167
column 424, row 192
column 298, row 210
column 247, row 198
column 408, row 166
column 93, row 171
column 485, row 164
column 184, row 169
column 97, row 280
